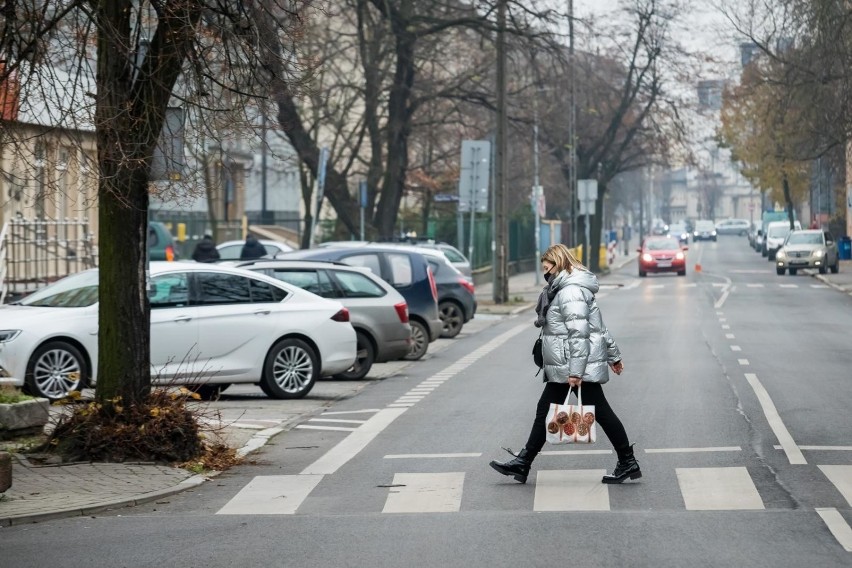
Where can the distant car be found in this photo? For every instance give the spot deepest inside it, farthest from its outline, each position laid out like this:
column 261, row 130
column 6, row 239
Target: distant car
column 680, row 232
column 161, row 244
column 211, row 326
column 377, row 311
column 776, row 234
column 659, row 228
column 704, row 231
column 407, row 271
column 456, row 293
column 230, row 250
column 662, row 254
column 807, row 249
column 732, row 227
column 753, row 229
column 453, row 254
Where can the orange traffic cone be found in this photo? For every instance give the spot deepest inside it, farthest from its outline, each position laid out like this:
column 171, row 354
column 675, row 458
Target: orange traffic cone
column 697, row 267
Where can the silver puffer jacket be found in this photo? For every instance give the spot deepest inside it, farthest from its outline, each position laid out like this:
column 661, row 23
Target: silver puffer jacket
column 575, row 341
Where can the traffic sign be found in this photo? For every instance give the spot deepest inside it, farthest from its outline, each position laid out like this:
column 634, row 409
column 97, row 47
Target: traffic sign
column 587, row 189
column 475, row 175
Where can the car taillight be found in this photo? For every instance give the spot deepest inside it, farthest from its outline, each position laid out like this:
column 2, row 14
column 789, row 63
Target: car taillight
column 342, row 315
column 467, row 284
column 432, row 284
column 402, row 311
column 170, row 253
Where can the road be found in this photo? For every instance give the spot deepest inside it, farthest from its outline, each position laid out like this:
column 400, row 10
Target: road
column 736, row 392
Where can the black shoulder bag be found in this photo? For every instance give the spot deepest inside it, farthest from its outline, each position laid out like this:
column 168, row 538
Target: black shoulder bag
column 538, row 355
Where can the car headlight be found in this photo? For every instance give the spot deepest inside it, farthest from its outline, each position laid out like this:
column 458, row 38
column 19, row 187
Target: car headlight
column 780, row 254
column 647, row 257
column 713, row 233
column 679, row 256
column 819, row 253
column 8, row 334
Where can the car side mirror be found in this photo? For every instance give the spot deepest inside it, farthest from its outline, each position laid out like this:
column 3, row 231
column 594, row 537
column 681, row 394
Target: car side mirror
column 639, row 250
column 759, row 233
column 684, row 247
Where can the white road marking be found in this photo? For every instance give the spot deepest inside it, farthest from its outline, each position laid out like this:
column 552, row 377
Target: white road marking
column 789, row 285
column 754, row 285
column 425, row 493
column 720, row 313
column 271, row 495
column 723, row 320
column 326, row 428
column 819, row 286
column 632, row 285
column 341, row 412
column 729, row 336
column 727, row 290
column 718, row 489
column 794, row 454
column 719, row 284
column 337, row 420
column 841, row 477
column 726, row 326
column 425, row 456
column 401, row 405
column 693, row 450
column 736, row 348
column 690, row 285
column 743, row 362
column 822, row 448
column 576, row 452
column 418, row 392
column 655, row 286
column 349, row 446
column 410, row 398
column 837, row 525
column 571, row 490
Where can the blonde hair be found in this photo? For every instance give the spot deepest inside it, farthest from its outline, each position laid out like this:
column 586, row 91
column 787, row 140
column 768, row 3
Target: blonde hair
column 562, row 257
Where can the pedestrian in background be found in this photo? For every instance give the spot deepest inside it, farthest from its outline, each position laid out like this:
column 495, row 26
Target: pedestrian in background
column 577, row 349
column 252, row 249
column 205, row 250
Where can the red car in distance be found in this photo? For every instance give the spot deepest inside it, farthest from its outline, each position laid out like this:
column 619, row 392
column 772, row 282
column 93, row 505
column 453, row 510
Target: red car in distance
column 662, row 254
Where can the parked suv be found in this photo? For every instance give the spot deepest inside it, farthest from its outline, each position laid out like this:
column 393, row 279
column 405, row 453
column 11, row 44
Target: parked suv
column 378, row 313
column 807, row 249
column 161, row 244
column 407, row 271
column 456, row 294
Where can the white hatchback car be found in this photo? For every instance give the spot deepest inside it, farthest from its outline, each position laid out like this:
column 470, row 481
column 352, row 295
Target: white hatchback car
column 231, row 250
column 211, row 326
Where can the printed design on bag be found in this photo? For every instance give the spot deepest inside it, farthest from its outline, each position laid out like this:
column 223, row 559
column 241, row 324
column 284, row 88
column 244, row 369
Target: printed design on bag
column 562, row 418
column 589, row 418
column 575, row 417
column 553, row 427
column 582, row 429
column 568, row 429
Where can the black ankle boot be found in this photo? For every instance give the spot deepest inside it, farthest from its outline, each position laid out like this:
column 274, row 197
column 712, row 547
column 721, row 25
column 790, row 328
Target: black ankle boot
column 519, row 467
column 627, row 467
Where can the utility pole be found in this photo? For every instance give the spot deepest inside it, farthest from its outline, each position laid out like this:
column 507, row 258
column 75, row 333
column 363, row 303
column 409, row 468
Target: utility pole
column 536, row 187
column 572, row 124
column 501, row 228
column 263, row 212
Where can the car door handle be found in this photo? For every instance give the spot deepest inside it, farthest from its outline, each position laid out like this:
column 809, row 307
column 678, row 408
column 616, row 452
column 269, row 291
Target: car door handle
column 262, row 312
column 183, row 318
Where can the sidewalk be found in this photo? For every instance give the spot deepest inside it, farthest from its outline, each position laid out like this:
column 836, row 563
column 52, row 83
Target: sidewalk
column 841, row 281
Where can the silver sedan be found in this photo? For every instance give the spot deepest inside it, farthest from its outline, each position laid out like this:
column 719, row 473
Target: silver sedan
column 807, row 249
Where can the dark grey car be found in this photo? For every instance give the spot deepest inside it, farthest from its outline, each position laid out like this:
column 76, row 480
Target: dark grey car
column 377, row 311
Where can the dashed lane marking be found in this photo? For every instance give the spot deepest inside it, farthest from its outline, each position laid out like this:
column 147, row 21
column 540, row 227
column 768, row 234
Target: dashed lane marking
column 271, row 495
column 794, row 454
column 743, row 362
column 693, row 450
column 425, row 493
column 571, row 490
column 430, row 456
column 837, row 525
column 718, row 489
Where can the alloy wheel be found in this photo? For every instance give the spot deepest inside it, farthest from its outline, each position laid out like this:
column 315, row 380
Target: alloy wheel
column 293, row 369
column 56, row 372
column 451, row 316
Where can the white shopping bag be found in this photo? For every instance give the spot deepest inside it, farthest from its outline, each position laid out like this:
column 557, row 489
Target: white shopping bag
column 571, row 423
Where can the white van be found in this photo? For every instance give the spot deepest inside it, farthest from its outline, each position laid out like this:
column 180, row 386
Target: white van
column 776, row 232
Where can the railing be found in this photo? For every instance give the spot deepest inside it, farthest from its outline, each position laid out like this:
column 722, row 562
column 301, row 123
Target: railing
column 38, row 252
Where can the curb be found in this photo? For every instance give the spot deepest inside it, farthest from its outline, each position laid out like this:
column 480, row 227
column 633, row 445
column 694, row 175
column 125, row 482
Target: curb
column 828, row 282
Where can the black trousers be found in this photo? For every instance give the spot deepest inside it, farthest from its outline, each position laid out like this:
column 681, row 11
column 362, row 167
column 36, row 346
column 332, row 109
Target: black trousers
column 592, row 394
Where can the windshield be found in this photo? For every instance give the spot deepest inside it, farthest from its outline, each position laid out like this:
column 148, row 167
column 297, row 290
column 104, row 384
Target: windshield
column 805, row 239
column 76, row 291
column 779, row 231
column 704, row 226
column 663, row 244
column 677, row 228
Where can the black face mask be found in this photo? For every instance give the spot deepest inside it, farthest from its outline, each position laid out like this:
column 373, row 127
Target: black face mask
column 548, row 276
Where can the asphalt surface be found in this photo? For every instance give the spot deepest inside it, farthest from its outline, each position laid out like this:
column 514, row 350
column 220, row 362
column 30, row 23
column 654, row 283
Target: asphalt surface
column 735, row 392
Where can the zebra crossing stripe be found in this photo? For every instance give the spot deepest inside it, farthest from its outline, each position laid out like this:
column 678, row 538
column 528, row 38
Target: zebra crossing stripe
column 271, row 495
column 571, row 490
column 425, row 493
column 838, row 526
column 718, row 489
column 841, row 477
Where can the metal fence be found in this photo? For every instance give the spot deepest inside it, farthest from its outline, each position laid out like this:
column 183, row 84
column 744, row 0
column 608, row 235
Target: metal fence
column 34, row 253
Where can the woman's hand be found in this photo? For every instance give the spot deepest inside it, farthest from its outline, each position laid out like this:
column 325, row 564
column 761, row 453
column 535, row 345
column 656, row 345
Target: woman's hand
column 617, row 367
column 574, row 381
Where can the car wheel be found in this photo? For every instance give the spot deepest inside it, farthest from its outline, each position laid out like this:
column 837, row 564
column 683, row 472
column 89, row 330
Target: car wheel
column 642, row 274
column 793, row 271
column 208, row 391
column 290, row 370
column 835, row 268
column 714, row 239
column 823, row 269
column 56, row 369
column 419, row 341
column 681, row 272
column 452, row 318
column 779, row 271
column 364, row 359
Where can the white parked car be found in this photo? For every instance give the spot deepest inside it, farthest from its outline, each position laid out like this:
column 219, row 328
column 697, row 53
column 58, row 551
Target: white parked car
column 231, row 250
column 211, row 326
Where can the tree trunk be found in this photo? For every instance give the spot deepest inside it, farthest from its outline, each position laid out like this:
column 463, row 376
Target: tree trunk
column 398, row 130
column 788, row 200
column 596, row 224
